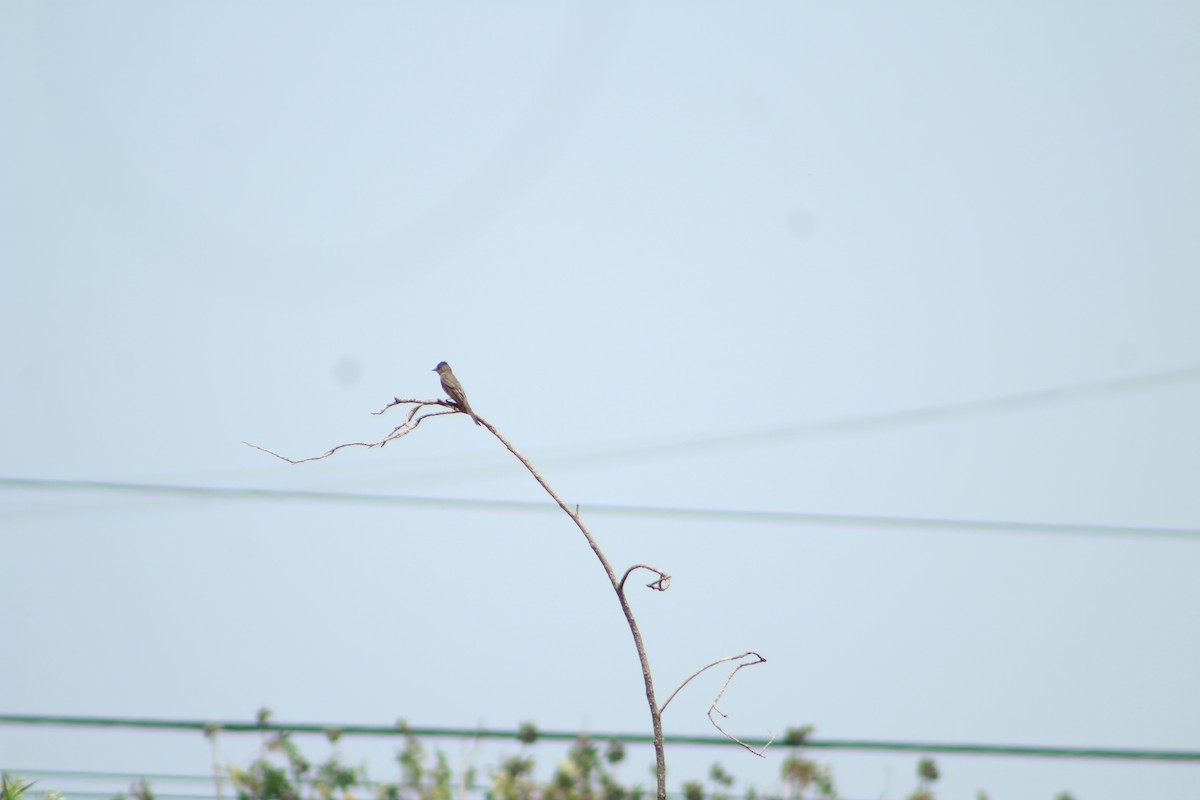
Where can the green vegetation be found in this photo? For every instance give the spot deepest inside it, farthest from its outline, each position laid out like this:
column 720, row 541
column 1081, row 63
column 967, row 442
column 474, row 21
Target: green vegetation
column 282, row 771
column 11, row 788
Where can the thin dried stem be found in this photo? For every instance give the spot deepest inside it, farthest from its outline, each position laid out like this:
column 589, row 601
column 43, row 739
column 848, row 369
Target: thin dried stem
column 464, row 770
column 702, row 670
column 661, row 585
column 411, row 421
column 619, row 588
column 404, row 401
column 713, row 707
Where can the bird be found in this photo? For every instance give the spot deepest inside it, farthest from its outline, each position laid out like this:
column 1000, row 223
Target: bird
column 453, row 388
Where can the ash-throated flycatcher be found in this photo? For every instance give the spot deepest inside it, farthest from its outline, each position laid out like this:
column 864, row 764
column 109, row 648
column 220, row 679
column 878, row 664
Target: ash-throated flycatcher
column 454, row 390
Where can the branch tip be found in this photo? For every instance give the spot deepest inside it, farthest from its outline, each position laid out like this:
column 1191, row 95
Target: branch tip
column 660, row 585
column 411, row 421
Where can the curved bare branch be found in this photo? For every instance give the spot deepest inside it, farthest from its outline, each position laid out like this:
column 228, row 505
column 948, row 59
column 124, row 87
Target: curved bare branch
column 704, row 669
column 661, row 585
column 326, row 454
column 758, row 659
column 618, row 587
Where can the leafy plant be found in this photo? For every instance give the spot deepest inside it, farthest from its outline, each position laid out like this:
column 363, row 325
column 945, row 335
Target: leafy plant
column 927, row 775
column 11, row 787
column 283, row 772
column 803, row 778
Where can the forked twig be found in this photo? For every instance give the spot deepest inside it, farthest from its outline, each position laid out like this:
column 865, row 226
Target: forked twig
column 411, row 421
column 403, row 401
column 704, row 669
column 713, row 707
column 758, row 659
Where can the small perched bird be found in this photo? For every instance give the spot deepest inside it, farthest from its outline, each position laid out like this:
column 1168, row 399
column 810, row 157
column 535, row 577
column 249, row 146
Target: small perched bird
column 453, row 388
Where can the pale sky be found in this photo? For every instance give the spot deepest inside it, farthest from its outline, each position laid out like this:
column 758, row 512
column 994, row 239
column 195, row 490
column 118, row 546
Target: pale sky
column 669, row 250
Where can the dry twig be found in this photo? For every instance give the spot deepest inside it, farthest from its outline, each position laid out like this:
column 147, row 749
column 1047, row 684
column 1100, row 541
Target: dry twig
column 411, row 421
column 713, row 707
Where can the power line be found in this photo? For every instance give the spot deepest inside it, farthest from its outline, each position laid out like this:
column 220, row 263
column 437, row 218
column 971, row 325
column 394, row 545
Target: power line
column 790, row 518
column 864, row 423
column 895, row 419
column 1108, row 753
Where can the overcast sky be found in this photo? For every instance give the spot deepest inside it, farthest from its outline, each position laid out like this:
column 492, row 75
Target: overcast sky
column 693, row 256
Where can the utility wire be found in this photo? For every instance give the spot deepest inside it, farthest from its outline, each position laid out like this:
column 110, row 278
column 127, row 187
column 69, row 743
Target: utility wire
column 792, row 518
column 894, row 419
column 856, row 424
column 640, row 451
column 1107, row 753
